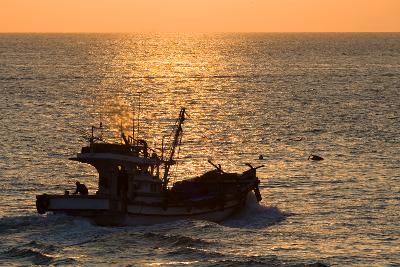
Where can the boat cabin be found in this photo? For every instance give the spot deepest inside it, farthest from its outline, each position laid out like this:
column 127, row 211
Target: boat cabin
column 125, row 170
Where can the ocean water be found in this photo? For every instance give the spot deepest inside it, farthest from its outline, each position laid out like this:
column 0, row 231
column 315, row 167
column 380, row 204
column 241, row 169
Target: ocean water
column 284, row 96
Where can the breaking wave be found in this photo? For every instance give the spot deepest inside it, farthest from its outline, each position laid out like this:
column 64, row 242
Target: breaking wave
column 256, row 215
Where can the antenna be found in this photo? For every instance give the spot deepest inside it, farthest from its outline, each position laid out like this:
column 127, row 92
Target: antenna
column 162, row 148
column 133, row 124
column 138, row 117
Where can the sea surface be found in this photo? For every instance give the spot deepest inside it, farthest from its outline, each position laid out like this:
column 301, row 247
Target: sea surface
column 283, row 96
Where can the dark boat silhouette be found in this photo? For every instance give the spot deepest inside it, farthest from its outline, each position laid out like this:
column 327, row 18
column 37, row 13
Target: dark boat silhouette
column 134, row 187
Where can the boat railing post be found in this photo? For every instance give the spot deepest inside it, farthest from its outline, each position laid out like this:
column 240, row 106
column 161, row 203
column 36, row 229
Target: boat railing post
column 138, row 117
column 162, row 148
column 133, row 125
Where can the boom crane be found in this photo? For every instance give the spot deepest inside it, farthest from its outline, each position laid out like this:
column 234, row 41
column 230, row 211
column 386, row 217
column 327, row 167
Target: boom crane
column 175, row 142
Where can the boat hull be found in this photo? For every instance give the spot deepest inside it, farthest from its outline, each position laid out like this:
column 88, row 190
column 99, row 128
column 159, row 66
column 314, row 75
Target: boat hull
column 109, row 218
column 103, row 211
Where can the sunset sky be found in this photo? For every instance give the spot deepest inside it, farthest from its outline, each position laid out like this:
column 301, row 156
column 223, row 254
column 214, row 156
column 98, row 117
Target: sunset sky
column 199, row 15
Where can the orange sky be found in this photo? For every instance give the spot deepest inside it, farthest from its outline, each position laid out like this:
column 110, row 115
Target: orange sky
column 199, row 15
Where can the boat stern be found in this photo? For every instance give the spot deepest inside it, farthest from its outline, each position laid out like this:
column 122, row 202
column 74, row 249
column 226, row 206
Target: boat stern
column 42, row 203
column 71, row 203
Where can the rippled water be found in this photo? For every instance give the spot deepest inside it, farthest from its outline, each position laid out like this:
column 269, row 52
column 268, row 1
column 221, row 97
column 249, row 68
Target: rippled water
column 281, row 95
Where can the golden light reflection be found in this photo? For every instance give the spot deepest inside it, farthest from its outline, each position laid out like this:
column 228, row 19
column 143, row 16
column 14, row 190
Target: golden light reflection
column 168, row 79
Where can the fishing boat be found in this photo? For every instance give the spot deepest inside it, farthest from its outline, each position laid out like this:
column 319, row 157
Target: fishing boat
column 134, row 186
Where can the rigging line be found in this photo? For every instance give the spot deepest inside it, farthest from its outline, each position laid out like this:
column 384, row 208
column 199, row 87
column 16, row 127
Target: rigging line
column 175, row 172
column 177, row 156
column 172, row 132
column 213, row 147
column 179, row 145
column 179, row 150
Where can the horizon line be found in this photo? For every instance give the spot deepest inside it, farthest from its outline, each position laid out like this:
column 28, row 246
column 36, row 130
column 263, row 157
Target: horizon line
column 184, row 32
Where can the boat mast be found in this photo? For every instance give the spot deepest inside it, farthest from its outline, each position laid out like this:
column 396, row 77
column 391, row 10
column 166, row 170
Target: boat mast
column 138, row 117
column 178, row 132
column 133, row 124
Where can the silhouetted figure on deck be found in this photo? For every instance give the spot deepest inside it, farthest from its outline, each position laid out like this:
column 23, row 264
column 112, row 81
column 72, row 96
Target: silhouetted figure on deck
column 81, row 189
column 154, row 157
column 122, row 186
